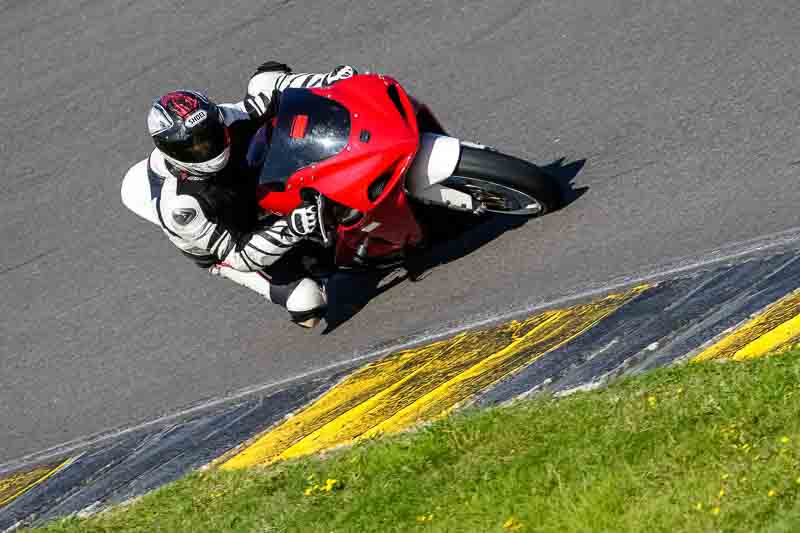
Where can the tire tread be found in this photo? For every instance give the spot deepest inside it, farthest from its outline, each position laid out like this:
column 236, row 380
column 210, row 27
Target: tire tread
column 511, row 171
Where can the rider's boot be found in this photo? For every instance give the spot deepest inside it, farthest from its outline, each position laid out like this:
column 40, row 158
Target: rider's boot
column 305, row 300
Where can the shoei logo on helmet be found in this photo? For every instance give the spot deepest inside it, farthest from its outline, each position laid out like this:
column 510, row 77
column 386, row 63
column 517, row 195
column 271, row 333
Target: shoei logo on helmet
column 196, row 118
column 181, row 103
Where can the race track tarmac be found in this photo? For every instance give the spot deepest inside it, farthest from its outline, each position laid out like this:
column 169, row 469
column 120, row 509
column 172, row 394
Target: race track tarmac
column 679, row 117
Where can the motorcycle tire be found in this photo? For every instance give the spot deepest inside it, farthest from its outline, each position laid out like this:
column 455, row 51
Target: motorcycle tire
column 505, row 184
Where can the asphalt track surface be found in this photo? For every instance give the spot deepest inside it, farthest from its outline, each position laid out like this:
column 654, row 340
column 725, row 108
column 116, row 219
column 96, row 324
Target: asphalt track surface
column 685, row 114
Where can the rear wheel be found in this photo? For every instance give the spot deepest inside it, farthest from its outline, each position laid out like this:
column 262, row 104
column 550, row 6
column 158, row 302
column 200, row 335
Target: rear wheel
column 501, row 183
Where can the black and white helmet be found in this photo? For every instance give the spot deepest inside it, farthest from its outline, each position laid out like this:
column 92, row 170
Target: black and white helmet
column 190, row 131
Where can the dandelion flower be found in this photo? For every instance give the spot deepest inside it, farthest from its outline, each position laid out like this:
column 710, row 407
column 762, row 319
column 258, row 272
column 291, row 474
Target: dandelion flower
column 715, row 511
column 652, row 401
column 331, row 484
column 772, row 493
column 721, row 493
column 512, row 524
column 785, row 440
column 309, row 491
column 699, row 506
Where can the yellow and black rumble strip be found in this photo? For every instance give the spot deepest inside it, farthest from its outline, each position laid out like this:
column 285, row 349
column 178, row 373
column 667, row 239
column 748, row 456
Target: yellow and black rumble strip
column 731, row 311
column 21, row 481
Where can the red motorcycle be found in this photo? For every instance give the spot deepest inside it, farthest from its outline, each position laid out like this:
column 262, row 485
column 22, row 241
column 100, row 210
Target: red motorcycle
column 364, row 151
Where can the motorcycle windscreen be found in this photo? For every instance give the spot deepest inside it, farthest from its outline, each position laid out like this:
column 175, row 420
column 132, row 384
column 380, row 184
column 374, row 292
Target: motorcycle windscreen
column 309, row 129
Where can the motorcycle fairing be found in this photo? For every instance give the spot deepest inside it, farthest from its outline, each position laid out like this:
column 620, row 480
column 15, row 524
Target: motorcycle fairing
column 380, row 146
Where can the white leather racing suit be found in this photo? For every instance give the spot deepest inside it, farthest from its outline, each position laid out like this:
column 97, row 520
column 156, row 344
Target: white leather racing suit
column 204, row 219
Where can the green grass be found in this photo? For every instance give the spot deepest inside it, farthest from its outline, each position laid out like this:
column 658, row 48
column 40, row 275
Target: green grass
column 705, row 447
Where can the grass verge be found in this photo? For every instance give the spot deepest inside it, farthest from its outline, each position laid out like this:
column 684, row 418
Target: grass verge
column 701, row 447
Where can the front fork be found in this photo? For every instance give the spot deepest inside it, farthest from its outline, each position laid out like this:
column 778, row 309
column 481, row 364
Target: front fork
column 325, row 239
column 435, row 162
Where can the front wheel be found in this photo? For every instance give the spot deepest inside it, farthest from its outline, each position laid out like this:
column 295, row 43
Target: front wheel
column 500, row 183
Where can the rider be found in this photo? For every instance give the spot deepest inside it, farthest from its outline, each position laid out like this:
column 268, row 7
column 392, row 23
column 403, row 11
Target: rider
column 206, row 204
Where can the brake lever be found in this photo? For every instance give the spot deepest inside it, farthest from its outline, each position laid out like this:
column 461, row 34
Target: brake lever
column 327, row 241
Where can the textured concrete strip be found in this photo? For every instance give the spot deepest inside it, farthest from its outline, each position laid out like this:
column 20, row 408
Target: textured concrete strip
column 131, row 464
column 663, row 325
column 771, row 330
column 18, row 483
column 419, row 384
column 560, row 328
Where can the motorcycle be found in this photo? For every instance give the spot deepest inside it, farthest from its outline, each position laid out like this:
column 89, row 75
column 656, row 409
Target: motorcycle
column 370, row 156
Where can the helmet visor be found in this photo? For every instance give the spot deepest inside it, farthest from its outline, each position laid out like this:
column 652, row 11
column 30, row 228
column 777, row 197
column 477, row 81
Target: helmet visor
column 205, row 139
